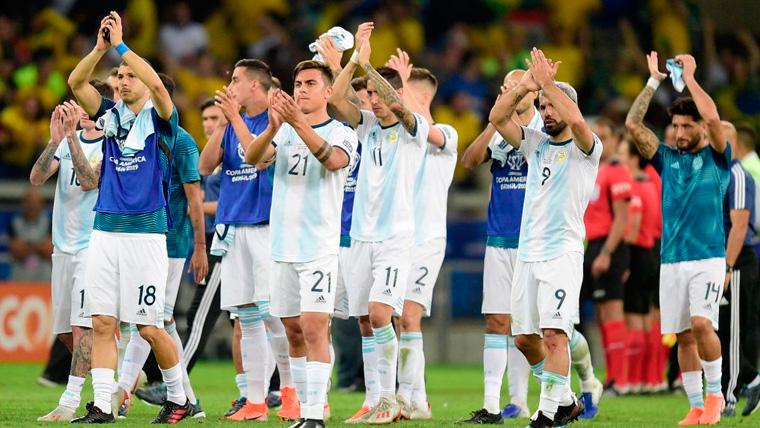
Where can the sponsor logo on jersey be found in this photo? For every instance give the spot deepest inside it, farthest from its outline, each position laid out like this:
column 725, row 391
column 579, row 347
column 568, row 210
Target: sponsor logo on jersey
column 557, row 316
column 387, row 292
column 417, row 290
column 320, row 299
column 142, row 313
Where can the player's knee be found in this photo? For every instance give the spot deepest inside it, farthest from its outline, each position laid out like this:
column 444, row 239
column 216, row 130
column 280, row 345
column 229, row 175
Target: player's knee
column 379, row 319
column 524, row 342
column 497, row 324
column 365, row 328
column 701, row 326
column 410, row 322
column 103, row 325
column 315, row 331
column 148, row 332
column 555, row 339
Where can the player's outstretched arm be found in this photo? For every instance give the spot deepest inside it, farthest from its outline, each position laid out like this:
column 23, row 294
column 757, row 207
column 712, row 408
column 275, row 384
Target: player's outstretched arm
column 199, row 261
column 504, row 107
column 162, row 101
column 401, row 63
column 46, row 164
column 79, row 79
column 261, row 148
column 477, row 152
column 705, row 104
column 344, row 104
column 89, row 177
column 646, row 141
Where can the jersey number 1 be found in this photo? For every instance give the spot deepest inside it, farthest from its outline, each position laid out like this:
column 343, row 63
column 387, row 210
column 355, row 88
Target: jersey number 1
column 74, row 180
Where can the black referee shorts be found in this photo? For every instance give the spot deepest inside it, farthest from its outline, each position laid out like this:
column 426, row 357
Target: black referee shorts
column 642, row 285
column 608, row 286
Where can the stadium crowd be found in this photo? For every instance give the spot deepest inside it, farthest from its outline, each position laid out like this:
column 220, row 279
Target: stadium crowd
column 501, row 103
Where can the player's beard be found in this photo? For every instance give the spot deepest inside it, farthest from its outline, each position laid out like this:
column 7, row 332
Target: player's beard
column 690, row 144
column 556, row 129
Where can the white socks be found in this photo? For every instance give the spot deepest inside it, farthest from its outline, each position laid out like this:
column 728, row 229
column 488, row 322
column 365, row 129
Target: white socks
column 102, row 384
column 712, row 371
column 135, row 356
column 298, row 370
column 386, row 346
column 72, row 396
column 252, row 346
column 518, row 372
column 581, row 360
column 554, row 393
column 317, row 375
column 172, row 330
column 371, row 377
column 279, row 344
column 241, row 384
column 494, row 365
column 411, row 360
column 692, row 385
column 173, row 380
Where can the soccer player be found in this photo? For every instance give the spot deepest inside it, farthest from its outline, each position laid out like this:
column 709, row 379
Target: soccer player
column 127, row 263
column 72, row 225
column 606, row 259
column 641, row 286
column 693, row 264
column 185, row 207
column 431, row 193
column 312, row 152
column 509, row 172
column 562, row 166
column 740, row 286
column 382, row 224
column 242, row 228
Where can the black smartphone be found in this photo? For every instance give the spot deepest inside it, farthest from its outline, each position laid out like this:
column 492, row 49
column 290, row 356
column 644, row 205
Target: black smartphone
column 107, row 32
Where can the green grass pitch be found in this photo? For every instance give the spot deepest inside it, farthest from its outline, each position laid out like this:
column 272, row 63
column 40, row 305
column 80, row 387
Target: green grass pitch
column 454, row 391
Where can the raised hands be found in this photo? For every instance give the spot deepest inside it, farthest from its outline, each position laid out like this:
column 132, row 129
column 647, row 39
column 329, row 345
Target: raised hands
column 541, row 69
column 112, row 22
column 689, row 66
column 401, row 63
column 654, row 69
column 226, row 102
column 329, row 52
column 56, row 125
column 71, row 113
column 361, row 40
column 275, row 119
column 287, row 109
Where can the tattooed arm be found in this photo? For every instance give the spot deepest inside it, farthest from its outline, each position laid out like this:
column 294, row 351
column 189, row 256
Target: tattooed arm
column 646, row 141
column 46, row 164
column 89, row 178
column 388, row 94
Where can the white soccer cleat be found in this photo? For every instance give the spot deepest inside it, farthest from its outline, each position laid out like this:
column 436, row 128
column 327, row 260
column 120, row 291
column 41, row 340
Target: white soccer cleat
column 59, row 414
column 386, row 411
column 421, row 412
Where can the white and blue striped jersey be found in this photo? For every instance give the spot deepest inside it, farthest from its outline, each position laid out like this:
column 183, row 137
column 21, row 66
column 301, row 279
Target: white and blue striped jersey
column 391, row 159
column 307, row 197
column 432, row 186
column 73, row 214
column 560, row 183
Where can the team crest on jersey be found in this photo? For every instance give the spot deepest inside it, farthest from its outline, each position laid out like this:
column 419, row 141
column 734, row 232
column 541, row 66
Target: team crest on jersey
column 515, row 160
column 562, row 155
column 393, row 137
column 241, row 151
column 696, row 164
column 94, row 161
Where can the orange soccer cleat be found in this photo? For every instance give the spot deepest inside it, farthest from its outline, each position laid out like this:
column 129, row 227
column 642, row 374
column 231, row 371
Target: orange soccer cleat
column 359, row 416
column 692, row 418
column 251, row 412
column 291, row 408
column 713, row 408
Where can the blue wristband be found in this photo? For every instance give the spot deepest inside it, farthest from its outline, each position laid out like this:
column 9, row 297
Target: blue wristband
column 121, row 49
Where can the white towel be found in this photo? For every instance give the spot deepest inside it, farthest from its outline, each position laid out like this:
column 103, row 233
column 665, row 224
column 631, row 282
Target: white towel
column 342, row 39
column 120, row 120
column 224, row 234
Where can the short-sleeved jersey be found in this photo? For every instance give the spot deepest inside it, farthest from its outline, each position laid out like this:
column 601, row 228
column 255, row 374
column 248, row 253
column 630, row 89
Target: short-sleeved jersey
column 245, row 196
column 307, row 197
column 560, row 182
column 693, row 188
column 73, row 214
column 391, row 159
column 349, row 190
column 613, row 184
column 155, row 221
column 645, row 201
column 509, row 172
column 432, row 186
column 740, row 196
column 184, row 171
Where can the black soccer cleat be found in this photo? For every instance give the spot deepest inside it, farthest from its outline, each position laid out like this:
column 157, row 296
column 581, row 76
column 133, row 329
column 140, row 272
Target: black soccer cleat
column 298, row 424
column 569, row 413
column 753, row 401
column 482, row 417
column 236, row 405
column 154, row 394
column 171, row 413
column 94, row 416
column 313, row 423
column 541, row 421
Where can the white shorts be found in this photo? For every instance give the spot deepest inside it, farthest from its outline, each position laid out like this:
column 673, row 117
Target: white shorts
column 690, row 289
column 126, row 277
column 345, row 259
column 498, row 274
column 176, row 269
column 546, row 294
column 304, row 287
column 379, row 273
column 427, row 259
column 67, row 289
column 246, row 267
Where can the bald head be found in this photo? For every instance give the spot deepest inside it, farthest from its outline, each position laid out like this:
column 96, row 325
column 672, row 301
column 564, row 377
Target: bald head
column 510, row 81
column 514, row 76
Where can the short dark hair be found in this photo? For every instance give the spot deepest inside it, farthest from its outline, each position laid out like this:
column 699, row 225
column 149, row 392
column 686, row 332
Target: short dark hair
column 423, row 74
column 168, row 83
column 684, row 106
column 314, row 65
column 209, row 102
column 359, row 83
column 391, row 76
column 103, row 88
column 747, row 135
column 259, row 69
